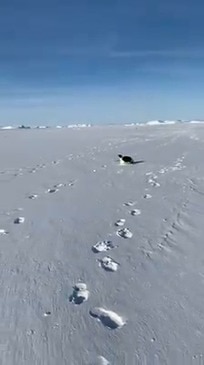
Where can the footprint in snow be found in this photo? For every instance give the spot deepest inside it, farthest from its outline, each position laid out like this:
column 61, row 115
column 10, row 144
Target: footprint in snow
column 147, row 196
column 71, row 183
column 120, row 222
column 3, row 231
column 80, row 294
column 153, row 183
column 52, row 190
column 124, row 233
column 135, row 212
column 33, row 196
column 19, row 220
column 60, row 185
column 102, row 246
column 129, row 204
column 47, row 314
column 30, row 332
column 108, row 318
column 163, row 171
column 108, row 264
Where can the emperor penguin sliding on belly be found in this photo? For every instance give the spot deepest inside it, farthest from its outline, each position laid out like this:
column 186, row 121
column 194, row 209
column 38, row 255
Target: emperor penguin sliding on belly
column 126, row 160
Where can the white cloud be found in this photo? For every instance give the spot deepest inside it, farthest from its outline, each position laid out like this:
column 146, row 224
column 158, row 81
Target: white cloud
column 175, row 53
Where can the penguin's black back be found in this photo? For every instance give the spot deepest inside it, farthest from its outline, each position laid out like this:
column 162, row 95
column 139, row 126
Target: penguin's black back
column 126, row 159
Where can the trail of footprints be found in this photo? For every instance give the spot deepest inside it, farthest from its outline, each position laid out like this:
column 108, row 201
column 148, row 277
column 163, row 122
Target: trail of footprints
column 80, row 294
column 109, row 318
column 32, row 170
column 54, row 189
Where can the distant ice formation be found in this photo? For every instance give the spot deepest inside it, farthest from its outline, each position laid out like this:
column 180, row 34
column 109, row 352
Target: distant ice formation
column 84, row 125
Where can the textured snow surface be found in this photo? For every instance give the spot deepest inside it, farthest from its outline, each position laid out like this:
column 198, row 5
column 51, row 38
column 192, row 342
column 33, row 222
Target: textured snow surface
column 73, row 290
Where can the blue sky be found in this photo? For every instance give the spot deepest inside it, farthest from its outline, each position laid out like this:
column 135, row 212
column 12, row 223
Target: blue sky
column 109, row 61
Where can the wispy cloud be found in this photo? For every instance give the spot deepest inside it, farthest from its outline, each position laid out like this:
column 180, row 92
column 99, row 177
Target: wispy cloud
column 176, row 53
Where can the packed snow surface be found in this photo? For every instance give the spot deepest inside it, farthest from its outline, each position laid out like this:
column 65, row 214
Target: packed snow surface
column 106, row 262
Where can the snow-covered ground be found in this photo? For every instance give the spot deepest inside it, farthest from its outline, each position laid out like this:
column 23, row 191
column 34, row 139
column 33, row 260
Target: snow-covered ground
column 102, row 263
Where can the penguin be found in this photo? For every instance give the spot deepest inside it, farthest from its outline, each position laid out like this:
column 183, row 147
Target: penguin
column 126, row 160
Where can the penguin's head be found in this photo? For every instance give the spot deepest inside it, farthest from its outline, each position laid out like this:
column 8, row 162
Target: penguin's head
column 120, row 156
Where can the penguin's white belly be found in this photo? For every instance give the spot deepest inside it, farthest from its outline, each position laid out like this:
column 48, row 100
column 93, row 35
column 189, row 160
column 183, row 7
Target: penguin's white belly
column 122, row 162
